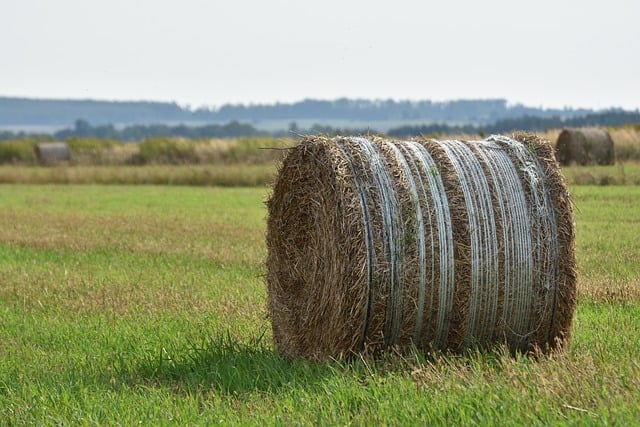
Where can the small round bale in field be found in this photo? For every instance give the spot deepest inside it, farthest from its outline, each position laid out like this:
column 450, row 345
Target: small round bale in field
column 52, row 152
column 586, row 146
column 376, row 244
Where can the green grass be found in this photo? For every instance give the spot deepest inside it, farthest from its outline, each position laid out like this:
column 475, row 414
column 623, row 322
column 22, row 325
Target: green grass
column 608, row 229
column 122, row 305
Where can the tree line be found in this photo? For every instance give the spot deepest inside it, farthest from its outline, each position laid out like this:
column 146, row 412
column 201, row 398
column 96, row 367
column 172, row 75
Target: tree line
column 235, row 129
column 24, row 111
column 525, row 123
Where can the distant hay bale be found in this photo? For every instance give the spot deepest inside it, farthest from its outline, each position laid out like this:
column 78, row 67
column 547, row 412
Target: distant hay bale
column 52, row 152
column 586, row 146
column 444, row 244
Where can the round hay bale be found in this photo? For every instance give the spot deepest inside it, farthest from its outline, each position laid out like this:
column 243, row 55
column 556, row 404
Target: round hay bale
column 441, row 244
column 586, row 146
column 52, row 152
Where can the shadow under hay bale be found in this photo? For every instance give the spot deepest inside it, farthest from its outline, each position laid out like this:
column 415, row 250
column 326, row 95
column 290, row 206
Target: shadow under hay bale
column 442, row 244
column 48, row 153
column 586, row 146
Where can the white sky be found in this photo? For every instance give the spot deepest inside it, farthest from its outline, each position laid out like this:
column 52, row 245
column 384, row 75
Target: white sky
column 550, row 53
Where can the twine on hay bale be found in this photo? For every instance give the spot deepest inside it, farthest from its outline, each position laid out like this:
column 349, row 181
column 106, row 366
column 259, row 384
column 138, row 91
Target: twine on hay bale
column 444, row 244
column 586, row 146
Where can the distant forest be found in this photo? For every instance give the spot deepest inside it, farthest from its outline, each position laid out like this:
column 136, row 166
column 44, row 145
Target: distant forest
column 24, row 111
column 232, row 129
column 526, row 123
column 135, row 121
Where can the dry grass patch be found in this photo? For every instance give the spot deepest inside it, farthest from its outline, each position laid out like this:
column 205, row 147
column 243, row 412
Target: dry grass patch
column 232, row 174
column 609, row 292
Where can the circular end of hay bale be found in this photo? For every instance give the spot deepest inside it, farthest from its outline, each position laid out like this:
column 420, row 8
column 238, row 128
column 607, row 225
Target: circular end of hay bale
column 315, row 259
column 375, row 244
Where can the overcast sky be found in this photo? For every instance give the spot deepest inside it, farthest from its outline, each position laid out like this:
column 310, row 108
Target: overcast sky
column 550, row 53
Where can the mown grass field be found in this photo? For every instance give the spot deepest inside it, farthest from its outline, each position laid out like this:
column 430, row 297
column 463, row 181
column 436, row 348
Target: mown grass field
column 146, row 304
column 242, row 174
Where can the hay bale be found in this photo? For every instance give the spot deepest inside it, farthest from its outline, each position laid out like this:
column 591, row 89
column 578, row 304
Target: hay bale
column 444, row 244
column 52, row 152
column 586, row 146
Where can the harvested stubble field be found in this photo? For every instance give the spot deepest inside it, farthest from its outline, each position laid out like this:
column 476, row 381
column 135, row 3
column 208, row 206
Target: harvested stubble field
column 147, row 304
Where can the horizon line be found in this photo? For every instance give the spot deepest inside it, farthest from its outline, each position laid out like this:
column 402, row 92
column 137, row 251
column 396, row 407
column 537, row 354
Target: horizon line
column 211, row 107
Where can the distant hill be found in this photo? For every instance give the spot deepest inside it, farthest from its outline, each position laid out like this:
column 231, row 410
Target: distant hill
column 379, row 114
column 53, row 112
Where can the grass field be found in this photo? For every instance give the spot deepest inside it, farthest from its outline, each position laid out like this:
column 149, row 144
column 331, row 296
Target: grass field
column 226, row 175
column 242, row 174
column 146, row 305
